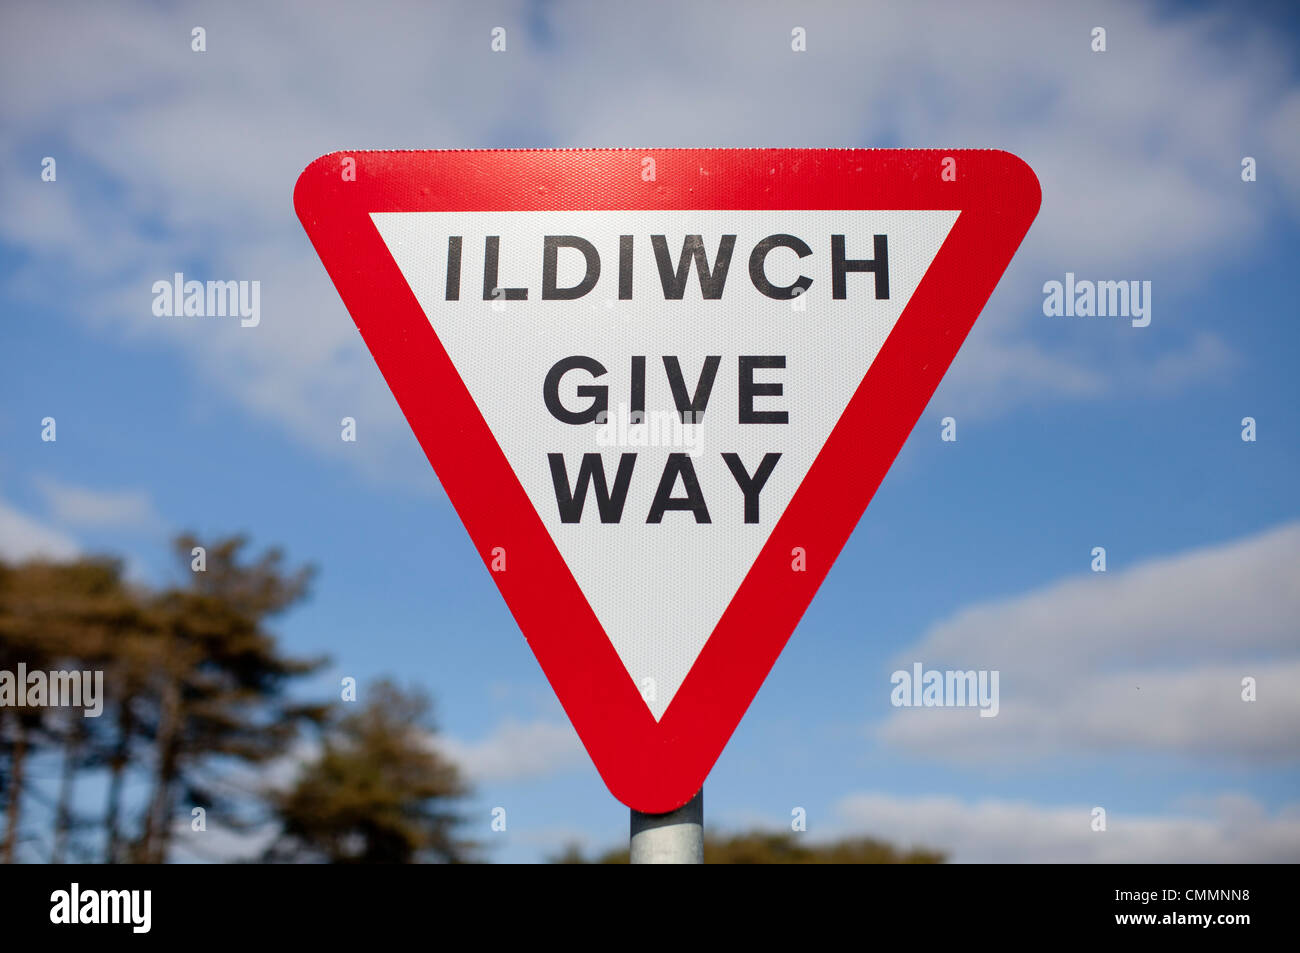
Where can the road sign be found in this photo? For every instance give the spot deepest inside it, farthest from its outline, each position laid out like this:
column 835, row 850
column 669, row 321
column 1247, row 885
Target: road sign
column 660, row 388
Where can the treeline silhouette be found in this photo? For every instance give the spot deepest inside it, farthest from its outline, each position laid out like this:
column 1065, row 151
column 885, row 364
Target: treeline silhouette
column 763, row 847
column 196, row 689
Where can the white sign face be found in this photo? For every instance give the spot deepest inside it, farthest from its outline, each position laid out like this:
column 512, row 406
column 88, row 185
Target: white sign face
column 660, row 520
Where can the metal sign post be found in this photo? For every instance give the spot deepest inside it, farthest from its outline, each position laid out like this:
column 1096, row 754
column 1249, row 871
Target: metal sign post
column 673, row 838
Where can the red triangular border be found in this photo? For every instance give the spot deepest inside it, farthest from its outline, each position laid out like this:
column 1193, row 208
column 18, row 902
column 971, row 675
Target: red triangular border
column 657, row 767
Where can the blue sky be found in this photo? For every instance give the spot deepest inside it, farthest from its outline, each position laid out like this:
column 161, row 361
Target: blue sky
column 1072, row 433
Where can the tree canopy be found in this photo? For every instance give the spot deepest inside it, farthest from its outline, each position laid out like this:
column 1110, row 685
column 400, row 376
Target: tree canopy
column 378, row 792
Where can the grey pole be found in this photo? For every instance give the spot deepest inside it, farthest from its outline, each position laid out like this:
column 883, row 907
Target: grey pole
column 673, row 838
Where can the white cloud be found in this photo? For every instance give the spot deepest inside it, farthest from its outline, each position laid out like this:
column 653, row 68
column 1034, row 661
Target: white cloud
column 514, row 751
column 96, row 509
column 1233, row 829
column 1205, row 357
column 174, row 160
column 553, row 841
column 220, row 844
column 1148, row 658
column 22, row 537
column 517, row 751
column 998, row 371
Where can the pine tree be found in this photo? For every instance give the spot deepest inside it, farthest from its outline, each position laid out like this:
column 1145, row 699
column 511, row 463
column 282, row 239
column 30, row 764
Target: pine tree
column 378, row 793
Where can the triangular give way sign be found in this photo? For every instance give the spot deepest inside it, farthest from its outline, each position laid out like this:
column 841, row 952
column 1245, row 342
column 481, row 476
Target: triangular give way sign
column 660, row 387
